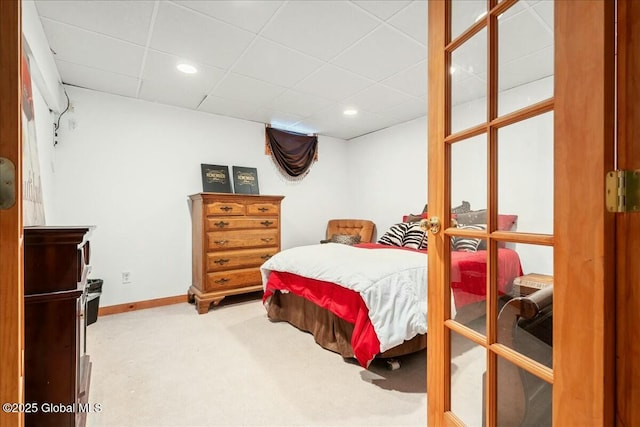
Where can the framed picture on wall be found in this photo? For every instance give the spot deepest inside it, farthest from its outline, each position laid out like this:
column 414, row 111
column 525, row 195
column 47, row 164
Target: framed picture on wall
column 215, row 179
column 245, row 180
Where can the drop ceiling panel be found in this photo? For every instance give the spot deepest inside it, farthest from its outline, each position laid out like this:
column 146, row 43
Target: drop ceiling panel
column 381, row 54
column 246, row 14
column 382, row 9
column 332, row 122
column 409, row 110
column 278, row 119
column 103, row 81
column 333, row 83
column 544, row 9
column 161, row 69
column 125, row 20
column 412, row 80
column 303, row 104
column 464, row 14
column 321, row 29
column 521, row 34
column 526, row 69
column 413, row 21
column 228, row 107
column 296, row 63
column 72, row 44
column 179, row 96
column 247, row 90
column 377, row 99
column 189, row 34
column 274, row 63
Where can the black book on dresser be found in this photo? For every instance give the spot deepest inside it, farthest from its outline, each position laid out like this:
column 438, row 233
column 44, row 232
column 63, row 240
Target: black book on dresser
column 56, row 367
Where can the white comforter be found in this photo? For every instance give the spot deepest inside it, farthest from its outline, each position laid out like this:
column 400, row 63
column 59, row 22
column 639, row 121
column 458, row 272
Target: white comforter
column 392, row 283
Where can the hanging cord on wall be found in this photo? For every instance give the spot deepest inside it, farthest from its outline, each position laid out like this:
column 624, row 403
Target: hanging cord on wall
column 56, row 125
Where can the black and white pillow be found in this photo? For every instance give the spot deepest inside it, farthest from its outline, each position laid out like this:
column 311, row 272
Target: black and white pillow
column 395, row 234
column 467, row 244
column 415, row 237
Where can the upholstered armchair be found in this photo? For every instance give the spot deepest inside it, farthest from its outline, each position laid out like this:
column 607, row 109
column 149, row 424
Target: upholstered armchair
column 352, row 227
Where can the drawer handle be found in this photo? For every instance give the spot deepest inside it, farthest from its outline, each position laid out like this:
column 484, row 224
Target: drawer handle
column 226, row 208
column 221, row 281
column 220, row 242
column 221, row 224
column 266, row 223
column 267, row 239
column 265, row 257
column 263, row 209
column 221, row 261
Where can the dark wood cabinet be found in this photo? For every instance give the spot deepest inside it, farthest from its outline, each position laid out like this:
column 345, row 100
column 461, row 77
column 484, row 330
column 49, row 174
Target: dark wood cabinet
column 56, row 367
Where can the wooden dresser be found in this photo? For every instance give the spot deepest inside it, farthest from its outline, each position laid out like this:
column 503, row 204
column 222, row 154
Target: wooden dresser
column 232, row 235
column 56, row 368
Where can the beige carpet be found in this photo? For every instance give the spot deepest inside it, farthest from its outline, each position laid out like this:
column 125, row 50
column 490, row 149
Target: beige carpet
column 169, row 366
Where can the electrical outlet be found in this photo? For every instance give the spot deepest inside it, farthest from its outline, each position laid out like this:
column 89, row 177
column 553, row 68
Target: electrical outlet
column 126, row 277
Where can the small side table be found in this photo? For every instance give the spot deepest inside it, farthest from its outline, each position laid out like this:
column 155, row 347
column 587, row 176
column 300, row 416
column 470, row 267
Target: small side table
column 529, row 283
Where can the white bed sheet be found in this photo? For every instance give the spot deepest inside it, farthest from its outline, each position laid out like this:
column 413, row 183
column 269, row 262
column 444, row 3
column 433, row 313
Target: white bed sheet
column 392, row 283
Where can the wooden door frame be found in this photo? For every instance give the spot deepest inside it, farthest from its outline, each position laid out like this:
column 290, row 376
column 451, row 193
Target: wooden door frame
column 584, row 258
column 628, row 225
column 11, row 278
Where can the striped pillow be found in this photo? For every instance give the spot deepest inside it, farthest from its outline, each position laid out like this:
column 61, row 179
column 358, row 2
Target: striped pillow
column 415, row 237
column 394, row 235
column 467, row 244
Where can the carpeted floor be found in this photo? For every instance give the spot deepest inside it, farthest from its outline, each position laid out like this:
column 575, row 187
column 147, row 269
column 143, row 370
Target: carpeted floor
column 169, row 366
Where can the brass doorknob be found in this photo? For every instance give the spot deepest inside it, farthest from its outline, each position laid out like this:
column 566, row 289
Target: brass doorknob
column 431, row 224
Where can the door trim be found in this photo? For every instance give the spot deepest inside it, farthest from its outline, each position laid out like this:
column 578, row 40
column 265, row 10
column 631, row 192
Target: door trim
column 628, row 225
column 11, row 283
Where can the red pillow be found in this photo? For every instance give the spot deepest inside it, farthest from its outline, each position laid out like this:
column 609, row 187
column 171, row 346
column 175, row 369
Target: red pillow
column 507, row 222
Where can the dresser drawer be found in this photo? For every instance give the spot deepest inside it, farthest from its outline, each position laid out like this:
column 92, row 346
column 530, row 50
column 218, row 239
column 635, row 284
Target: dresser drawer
column 242, row 239
column 227, row 260
column 233, row 279
column 263, row 209
column 224, row 208
column 216, row 223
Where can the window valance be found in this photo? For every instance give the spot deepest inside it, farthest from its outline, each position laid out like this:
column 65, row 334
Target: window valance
column 293, row 153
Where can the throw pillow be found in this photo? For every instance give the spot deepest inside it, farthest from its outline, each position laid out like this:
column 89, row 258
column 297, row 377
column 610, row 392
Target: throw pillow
column 415, row 237
column 394, row 235
column 467, row 244
column 463, row 208
column 345, row 239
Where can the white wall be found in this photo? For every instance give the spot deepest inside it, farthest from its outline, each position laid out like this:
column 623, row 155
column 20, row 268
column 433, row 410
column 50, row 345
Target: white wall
column 46, row 153
column 388, row 173
column 127, row 166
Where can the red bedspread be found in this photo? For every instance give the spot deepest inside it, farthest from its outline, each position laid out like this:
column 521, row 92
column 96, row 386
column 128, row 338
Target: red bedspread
column 343, row 302
column 469, row 274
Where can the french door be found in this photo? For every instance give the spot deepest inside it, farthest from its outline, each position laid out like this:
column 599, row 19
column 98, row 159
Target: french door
column 521, row 127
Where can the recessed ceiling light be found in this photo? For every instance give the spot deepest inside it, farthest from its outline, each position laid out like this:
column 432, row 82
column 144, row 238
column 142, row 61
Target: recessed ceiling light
column 350, row 112
column 187, row 69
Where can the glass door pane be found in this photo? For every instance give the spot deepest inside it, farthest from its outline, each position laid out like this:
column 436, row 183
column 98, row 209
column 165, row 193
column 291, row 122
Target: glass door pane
column 469, row 83
column 499, row 148
column 525, row 55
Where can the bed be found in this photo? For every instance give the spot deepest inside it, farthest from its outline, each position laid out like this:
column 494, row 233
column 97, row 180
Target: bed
column 370, row 300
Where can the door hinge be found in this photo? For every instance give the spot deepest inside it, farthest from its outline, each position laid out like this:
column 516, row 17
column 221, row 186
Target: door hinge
column 623, row 191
